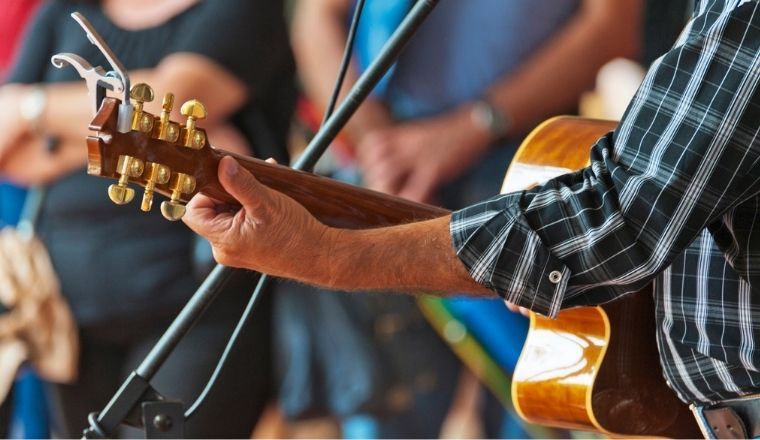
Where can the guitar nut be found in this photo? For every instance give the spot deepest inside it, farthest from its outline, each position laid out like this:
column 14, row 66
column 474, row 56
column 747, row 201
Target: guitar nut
column 555, row 276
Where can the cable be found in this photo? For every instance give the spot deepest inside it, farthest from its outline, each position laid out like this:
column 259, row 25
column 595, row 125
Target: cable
column 345, row 62
column 228, row 348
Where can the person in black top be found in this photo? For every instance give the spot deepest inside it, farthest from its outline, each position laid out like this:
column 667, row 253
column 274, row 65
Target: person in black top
column 126, row 273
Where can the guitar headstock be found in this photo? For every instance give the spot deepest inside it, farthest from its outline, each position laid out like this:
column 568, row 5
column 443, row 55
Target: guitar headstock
column 162, row 155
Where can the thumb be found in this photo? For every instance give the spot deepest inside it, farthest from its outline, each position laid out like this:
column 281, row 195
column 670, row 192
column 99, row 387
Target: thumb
column 239, row 182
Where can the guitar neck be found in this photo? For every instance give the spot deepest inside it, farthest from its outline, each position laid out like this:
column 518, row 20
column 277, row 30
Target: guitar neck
column 333, row 202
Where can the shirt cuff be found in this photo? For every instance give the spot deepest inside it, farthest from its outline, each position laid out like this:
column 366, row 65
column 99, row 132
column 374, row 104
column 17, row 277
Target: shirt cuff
column 502, row 252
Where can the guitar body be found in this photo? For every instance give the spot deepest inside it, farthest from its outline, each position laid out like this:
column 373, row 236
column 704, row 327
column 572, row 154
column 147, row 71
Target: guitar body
column 591, row 368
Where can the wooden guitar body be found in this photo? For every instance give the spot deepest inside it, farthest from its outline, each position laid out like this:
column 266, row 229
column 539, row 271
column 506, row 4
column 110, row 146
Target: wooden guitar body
column 591, row 368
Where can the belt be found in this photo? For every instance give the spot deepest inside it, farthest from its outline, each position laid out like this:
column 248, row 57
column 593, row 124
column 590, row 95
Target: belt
column 734, row 418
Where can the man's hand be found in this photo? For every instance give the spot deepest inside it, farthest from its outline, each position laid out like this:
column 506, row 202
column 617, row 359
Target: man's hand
column 413, row 159
column 517, row 309
column 271, row 233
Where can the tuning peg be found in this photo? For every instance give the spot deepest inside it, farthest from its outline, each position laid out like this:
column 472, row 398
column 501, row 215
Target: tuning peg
column 168, row 131
column 126, row 167
column 141, row 93
column 155, row 173
column 194, row 110
column 180, row 183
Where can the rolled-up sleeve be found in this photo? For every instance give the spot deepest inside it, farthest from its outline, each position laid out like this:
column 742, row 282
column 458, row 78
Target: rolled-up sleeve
column 503, row 253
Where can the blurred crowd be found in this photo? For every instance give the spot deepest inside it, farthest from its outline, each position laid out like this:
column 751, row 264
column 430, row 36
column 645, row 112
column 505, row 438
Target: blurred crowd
column 440, row 128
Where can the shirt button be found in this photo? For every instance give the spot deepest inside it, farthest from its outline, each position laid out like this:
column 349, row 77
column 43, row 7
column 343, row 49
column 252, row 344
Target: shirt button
column 555, row 276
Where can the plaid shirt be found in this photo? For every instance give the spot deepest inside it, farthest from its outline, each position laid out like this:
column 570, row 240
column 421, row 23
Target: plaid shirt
column 671, row 196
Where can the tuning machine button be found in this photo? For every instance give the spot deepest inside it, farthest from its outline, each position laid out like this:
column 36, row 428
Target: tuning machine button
column 126, row 167
column 155, row 174
column 142, row 121
column 194, row 110
column 179, row 184
column 168, row 130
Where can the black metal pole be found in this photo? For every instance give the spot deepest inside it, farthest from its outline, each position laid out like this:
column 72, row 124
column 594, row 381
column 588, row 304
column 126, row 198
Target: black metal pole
column 135, row 388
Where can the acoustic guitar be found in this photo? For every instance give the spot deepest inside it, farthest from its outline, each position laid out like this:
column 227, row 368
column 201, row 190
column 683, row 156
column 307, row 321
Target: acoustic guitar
column 567, row 386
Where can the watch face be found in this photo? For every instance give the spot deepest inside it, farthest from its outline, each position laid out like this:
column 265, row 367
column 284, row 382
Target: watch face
column 486, row 116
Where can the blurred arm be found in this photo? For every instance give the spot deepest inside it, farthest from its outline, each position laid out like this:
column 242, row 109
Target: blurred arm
column 555, row 76
column 186, row 75
column 67, row 115
column 318, row 38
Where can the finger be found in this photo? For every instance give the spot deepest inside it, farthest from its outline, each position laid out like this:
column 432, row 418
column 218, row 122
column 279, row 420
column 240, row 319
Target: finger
column 271, row 160
column 205, row 217
column 202, row 201
column 240, row 183
column 386, row 179
column 385, row 175
column 512, row 307
column 373, row 147
column 420, row 185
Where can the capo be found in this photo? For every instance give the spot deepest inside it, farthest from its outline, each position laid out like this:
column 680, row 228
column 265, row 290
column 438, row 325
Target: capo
column 96, row 78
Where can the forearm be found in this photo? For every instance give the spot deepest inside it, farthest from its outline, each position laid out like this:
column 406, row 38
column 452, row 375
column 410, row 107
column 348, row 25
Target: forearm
column 68, row 109
column 555, row 76
column 416, row 257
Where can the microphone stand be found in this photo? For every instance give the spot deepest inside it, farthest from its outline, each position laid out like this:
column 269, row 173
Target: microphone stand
column 136, row 402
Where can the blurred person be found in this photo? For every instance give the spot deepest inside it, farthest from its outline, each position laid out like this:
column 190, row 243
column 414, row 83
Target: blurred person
column 126, row 273
column 23, row 413
column 441, row 128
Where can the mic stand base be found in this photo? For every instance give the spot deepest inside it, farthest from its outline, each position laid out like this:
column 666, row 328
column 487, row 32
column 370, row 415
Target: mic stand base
column 160, row 418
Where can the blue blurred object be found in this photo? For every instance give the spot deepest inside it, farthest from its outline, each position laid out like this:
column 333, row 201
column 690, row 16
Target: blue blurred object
column 11, row 200
column 360, row 426
column 30, row 412
column 377, row 23
column 498, row 332
column 493, row 326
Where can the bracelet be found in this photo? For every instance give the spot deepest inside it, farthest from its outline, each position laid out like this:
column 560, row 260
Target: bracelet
column 486, row 116
column 32, row 107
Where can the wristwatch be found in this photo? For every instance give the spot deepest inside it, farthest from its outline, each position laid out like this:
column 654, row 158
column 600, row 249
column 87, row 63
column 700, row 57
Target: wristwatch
column 491, row 119
column 32, row 107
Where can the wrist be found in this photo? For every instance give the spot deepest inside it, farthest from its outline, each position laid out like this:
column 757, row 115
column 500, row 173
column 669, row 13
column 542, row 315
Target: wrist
column 32, row 108
column 325, row 265
column 495, row 122
column 470, row 133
